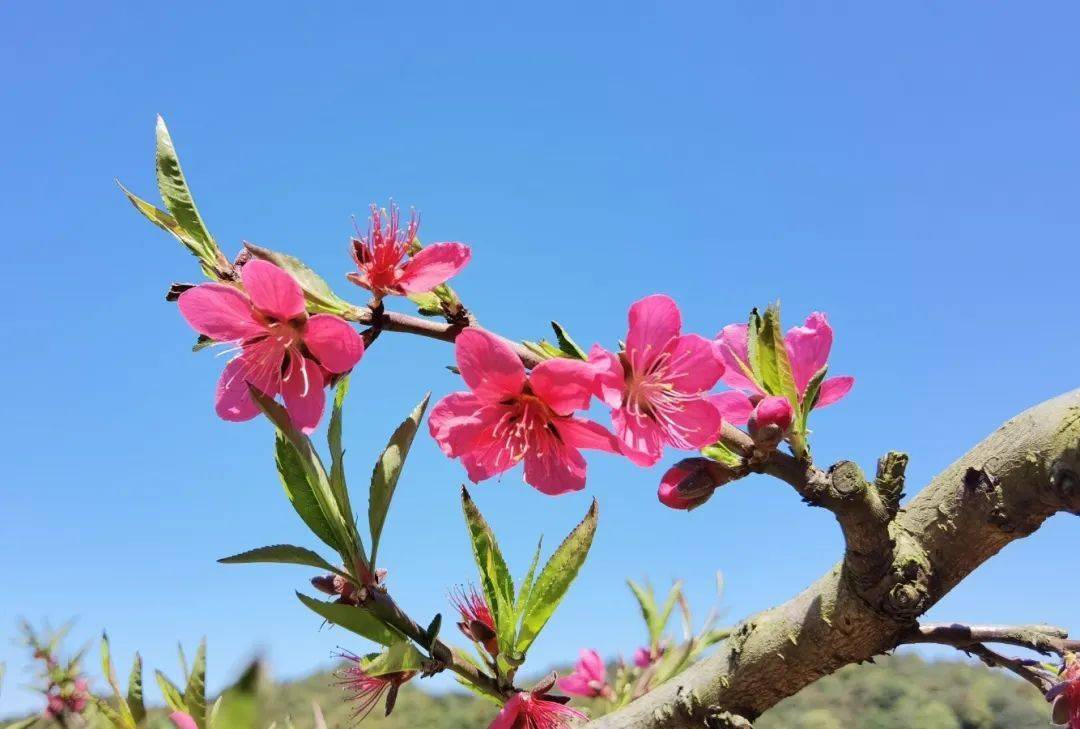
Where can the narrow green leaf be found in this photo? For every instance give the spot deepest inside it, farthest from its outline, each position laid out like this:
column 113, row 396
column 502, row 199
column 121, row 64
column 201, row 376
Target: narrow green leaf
column 753, row 339
column 238, row 706
column 169, row 691
column 555, row 579
column 810, row 398
column 432, row 631
column 495, row 579
column 109, row 671
column 646, row 601
column 401, row 656
column 722, row 454
column 664, row 614
column 319, row 295
column 428, row 303
column 527, row 584
column 767, row 354
column 282, row 554
column 111, row 715
column 195, row 693
column 567, row 345
column 387, row 471
column 168, row 223
column 294, row 479
column 785, row 376
column 174, row 191
column 354, row 619
column 337, row 452
column 135, row 691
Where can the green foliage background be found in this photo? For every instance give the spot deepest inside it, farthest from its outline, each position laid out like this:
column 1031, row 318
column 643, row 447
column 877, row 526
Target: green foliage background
column 899, row 692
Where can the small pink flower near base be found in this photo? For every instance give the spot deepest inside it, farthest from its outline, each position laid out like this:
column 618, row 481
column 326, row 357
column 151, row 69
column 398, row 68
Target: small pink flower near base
column 282, row 350
column 182, row 721
column 658, row 385
column 384, row 263
column 366, row 690
column 808, row 349
column 476, row 622
column 510, row 416
column 527, row 710
column 1066, row 695
column 589, row 678
column 645, row 656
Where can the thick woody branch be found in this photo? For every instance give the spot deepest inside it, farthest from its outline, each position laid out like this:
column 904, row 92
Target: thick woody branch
column 1000, row 491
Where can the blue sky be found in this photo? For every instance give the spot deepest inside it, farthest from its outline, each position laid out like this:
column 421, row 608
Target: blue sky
column 911, row 170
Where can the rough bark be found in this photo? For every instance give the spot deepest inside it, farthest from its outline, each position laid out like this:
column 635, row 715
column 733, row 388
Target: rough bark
column 1001, row 490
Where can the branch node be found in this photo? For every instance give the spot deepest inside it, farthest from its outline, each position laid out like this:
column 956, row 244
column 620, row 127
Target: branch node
column 891, row 469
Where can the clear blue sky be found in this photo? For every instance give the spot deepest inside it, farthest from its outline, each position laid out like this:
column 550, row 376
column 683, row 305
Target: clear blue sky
column 912, row 170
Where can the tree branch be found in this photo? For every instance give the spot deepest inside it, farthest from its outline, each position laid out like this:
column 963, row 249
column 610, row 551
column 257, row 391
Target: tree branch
column 1000, row 491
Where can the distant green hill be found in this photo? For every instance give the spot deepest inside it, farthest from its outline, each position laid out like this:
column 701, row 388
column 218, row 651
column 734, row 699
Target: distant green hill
column 903, row 692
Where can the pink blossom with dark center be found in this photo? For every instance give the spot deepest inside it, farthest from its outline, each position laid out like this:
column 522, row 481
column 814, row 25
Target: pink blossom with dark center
column 658, row 384
column 281, row 349
column 384, row 263
column 532, row 711
column 476, row 621
column 589, row 678
column 508, row 416
column 366, row 690
column 808, row 349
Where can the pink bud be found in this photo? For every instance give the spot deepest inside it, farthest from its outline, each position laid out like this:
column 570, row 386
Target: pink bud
column 687, row 485
column 182, row 721
column 55, row 707
column 643, row 657
column 774, row 410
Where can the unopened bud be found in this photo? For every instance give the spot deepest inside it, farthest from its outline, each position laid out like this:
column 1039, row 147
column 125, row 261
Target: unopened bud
column 770, row 421
column 324, row 584
column 688, row 484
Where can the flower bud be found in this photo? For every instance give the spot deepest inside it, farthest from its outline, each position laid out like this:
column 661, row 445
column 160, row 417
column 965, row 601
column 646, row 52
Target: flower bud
column 688, row 484
column 772, row 410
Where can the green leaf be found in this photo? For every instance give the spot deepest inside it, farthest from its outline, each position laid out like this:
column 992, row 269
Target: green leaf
column 238, row 706
column 646, row 600
column 813, row 391
column 542, row 349
column 495, row 579
column 400, row 656
column 387, row 471
column 555, row 579
column 428, row 303
column 168, row 223
column 319, row 295
column 173, row 698
column 753, row 340
column 354, row 619
column 722, row 454
column 111, row 715
column 664, row 614
column 337, row 453
column 127, row 721
column 135, row 691
column 567, row 345
column 527, row 584
column 294, row 478
column 195, row 693
column 778, row 354
column 282, row 554
column 174, row 191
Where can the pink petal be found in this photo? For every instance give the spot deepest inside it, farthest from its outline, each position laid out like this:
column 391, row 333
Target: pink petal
column 693, row 426
column 273, row 291
column 555, row 469
column 592, row 665
column 259, row 366
column 432, row 266
column 488, row 365
column 833, row 390
column 654, row 322
column 733, row 350
column 182, row 721
column 642, row 439
column 581, row 433
column 696, row 364
column 455, row 422
column 734, row 406
column 508, row 715
column 564, row 384
column 808, row 347
column 336, row 345
column 575, row 685
column 610, row 381
column 219, row 312
column 669, row 496
column 302, row 390
column 492, row 451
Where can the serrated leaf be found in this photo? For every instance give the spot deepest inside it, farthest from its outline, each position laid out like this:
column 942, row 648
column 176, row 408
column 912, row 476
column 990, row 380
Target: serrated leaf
column 135, row 691
column 810, row 397
column 169, row 691
column 785, row 376
column 354, row 619
column 555, row 579
column 317, row 292
column 168, row 223
column 337, row 452
column 294, row 479
column 387, row 471
column 495, row 579
column 567, row 345
column 195, row 693
column 400, row 656
column 282, row 554
column 527, row 584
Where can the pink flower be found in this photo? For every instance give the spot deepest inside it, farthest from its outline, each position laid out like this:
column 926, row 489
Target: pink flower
column 1066, row 695
column 182, row 721
column 657, row 385
column 510, row 416
column 808, row 349
column 476, row 622
column 700, row 477
column 381, row 258
column 527, row 710
column 367, row 690
column 589, row 678
column 282, row 350
column 645, row 657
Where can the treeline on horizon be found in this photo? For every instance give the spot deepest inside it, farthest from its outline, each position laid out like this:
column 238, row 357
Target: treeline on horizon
column 896, row 692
